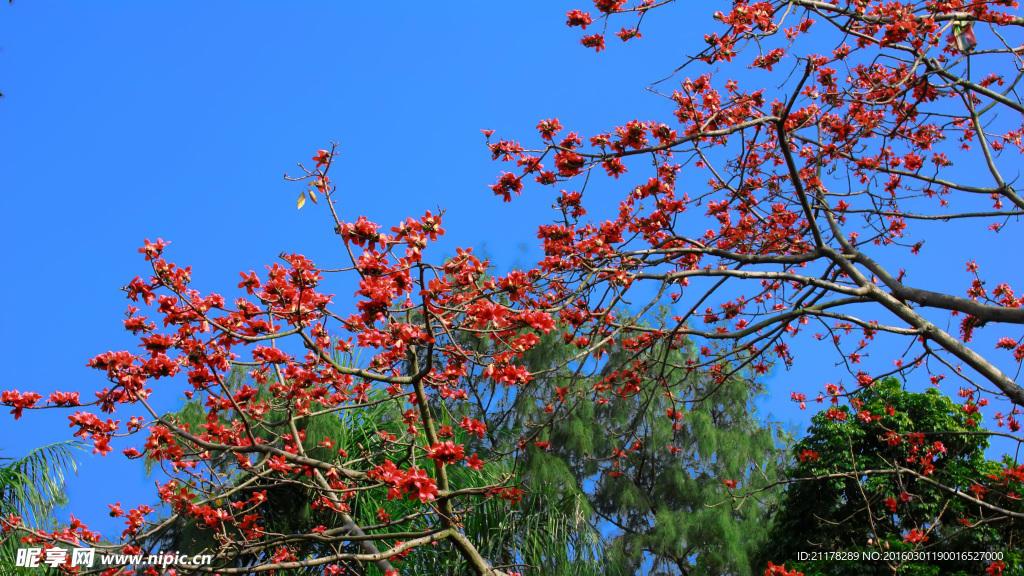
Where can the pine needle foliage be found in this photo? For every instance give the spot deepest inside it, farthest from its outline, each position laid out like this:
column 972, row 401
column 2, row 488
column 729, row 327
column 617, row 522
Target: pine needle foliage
column 658, row 510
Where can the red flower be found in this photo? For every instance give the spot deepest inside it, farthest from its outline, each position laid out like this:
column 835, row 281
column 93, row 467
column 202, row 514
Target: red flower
column 808, row 455
column 609, row 5
column 100, row 445
column 1007, row 343
column 322, row 157
column 628, row 34
column 614, row 167
column 445, row 452
column 474, row 462
column 512, row 495
column 578, row 18
column 835, row 415
column 421, row 486
column 64, row 398
column 798, row 397
column 279, row 464
column 153, row 250
column 19, row 401
column 250, row 282
column 780, row 570
column 473, row 426
column 996, row 568
column 915, row 537
column 595, row 41
column 549, row 128
column 507, row 183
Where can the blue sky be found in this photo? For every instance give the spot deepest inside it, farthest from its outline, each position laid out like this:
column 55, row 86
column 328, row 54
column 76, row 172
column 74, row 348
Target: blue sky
column 132, row 120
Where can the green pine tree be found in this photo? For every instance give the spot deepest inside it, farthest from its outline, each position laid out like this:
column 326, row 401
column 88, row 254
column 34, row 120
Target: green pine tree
column 661, row 505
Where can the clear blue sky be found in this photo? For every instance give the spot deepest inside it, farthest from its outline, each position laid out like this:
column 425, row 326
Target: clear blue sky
column 131, row 120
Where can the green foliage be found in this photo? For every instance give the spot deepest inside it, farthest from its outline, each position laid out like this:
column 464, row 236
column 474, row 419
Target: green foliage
column 549, row 528
column 664, row 510
column 288, row 507
column 33, row 488
column 869, row 476
column 672, row 508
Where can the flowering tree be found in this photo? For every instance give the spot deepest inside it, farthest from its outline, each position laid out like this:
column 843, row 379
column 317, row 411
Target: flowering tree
column 805, row 187
column 810, row 192
column 855, row 500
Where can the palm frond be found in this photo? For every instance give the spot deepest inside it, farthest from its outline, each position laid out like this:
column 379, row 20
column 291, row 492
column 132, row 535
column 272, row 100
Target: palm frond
column 32, row 487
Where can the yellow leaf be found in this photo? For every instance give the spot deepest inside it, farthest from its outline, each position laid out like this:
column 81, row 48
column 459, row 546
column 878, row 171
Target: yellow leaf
column 312, row 195
column 302, row 199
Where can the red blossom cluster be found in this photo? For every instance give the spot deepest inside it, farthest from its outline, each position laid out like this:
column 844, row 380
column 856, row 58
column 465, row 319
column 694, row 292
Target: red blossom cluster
column 795, row 192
